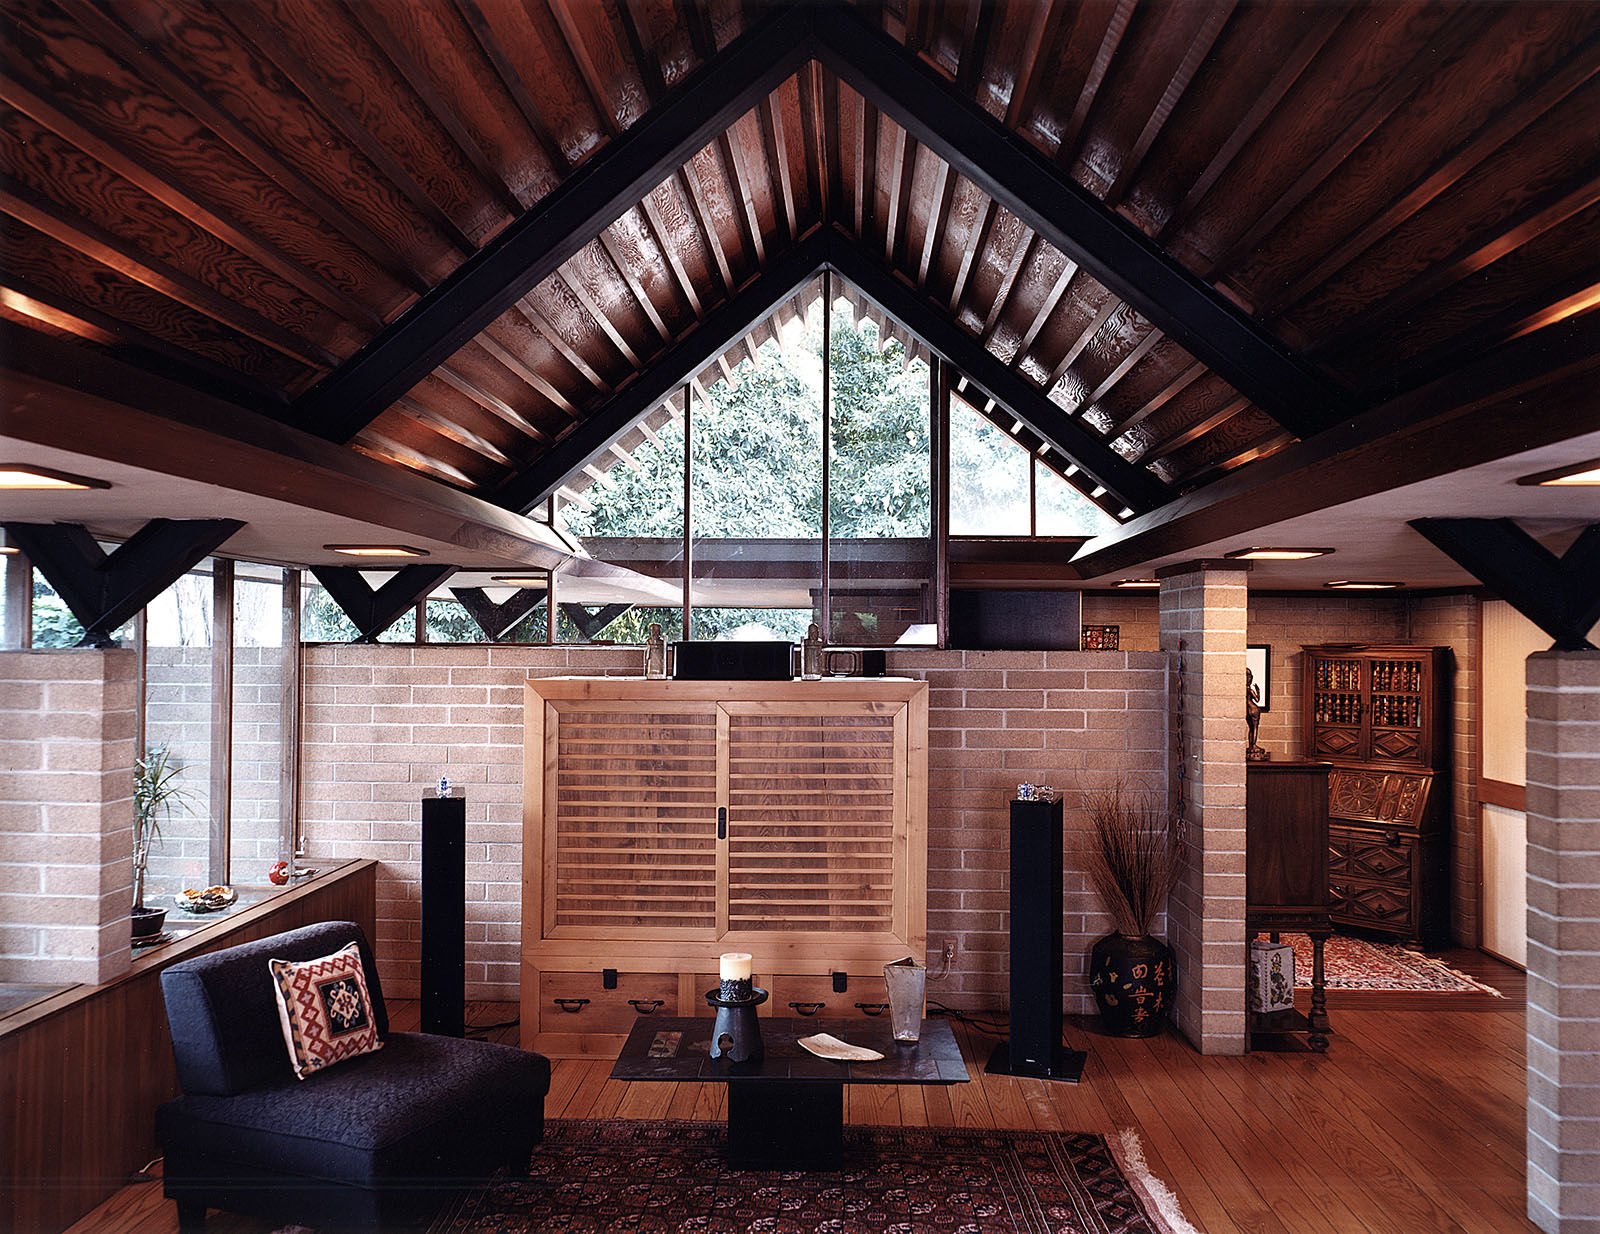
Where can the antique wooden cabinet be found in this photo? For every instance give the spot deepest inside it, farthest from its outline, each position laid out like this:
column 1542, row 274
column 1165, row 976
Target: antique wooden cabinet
column 1381, row 715
column 665, row 822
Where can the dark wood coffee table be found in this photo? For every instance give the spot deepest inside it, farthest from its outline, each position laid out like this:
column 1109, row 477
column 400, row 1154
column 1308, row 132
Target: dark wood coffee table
column 786, row 1111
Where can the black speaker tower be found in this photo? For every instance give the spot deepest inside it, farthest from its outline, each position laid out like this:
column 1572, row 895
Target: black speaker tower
column 444, row 916
column 1035, row 1047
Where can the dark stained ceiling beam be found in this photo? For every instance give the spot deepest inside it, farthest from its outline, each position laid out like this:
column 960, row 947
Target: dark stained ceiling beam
column 719, row 330
column 373, row 611
column 1068, row 216
column 555, row 228
column 1534, row 391
column 498, row 620
column 1560, row 595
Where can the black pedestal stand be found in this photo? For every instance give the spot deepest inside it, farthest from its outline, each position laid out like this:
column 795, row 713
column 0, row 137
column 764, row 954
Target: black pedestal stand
column 1035, row 1047
column 736, row 1035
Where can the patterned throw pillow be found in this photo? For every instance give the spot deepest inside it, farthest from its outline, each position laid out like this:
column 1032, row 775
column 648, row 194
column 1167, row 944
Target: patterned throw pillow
column 325, row 1009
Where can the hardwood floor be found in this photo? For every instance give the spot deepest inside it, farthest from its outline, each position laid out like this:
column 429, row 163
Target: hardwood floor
column 1412, row 1122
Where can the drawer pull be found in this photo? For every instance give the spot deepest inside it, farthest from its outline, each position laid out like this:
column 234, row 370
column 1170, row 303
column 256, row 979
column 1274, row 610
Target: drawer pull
column 1392, row 839
column 872, row 1008
column 571, row 1005
column 646, row 1006
column 807, row 1008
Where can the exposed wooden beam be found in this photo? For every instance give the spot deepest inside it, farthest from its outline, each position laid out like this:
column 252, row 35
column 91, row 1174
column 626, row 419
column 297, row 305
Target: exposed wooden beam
column 1536, row 390
column 590, row 621
column 374, row 611
column 1063, row 213
column 498, row 620
column 105, row 590
column 1560, row 595
column 551, row 231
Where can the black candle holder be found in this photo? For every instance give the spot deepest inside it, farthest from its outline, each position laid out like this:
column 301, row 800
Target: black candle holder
column 736, row 1035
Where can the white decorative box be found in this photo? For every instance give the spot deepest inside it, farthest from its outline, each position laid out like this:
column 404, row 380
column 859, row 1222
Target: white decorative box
column 1271, row 976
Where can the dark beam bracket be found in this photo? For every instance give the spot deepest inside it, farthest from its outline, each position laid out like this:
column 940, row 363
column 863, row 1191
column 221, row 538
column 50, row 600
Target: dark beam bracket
column 373, row 612
column 105, row 590
column 497, row 620
column 590, row 621
column 1560, row 595
column 555, row 228
column 1068, row 216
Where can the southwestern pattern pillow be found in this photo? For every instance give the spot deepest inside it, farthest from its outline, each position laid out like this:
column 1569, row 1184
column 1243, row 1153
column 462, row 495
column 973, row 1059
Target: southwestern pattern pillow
column 325, row 1010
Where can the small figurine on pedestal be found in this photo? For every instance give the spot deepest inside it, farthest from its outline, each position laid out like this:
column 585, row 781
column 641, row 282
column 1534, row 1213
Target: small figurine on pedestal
column 1252, row 719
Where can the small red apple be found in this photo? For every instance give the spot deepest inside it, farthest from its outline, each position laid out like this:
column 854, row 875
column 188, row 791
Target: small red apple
column 279, row 874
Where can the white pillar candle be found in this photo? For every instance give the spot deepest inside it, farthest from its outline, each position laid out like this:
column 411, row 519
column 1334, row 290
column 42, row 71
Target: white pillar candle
column 735, row 966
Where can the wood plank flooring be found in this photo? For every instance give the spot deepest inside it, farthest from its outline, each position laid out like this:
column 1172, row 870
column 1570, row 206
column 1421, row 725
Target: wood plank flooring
column 1412, row 1122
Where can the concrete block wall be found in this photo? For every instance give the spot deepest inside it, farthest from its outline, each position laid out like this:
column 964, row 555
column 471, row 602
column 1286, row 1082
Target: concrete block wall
column 178, row 716
column 382, row 723
column 1203, row 608
column 66, row 814
column 259, row 678
column 1564, row 941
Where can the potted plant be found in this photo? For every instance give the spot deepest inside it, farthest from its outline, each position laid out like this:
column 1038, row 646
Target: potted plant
column 1132, row 860
column 155, row 792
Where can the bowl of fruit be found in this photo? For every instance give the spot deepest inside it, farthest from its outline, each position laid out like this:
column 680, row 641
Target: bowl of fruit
column 210, row 900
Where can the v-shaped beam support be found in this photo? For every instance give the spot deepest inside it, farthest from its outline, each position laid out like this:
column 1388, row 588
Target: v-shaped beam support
column 105, row 590
column 373, row 612
column 498, row 620
column 591, row 621
column 1560, row 595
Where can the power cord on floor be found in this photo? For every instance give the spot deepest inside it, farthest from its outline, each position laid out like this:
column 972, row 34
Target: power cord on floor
column 991, row 1026
column 476, row 1030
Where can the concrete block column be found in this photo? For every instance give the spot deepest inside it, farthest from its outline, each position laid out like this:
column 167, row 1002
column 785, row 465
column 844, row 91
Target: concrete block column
column 1203, row 607
column 1564, row 941
column 66, row 814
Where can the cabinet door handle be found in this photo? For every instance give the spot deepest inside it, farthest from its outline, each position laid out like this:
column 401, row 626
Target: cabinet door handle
column 722, row 822
column 872, row 1008
column 808, row 1008
column 646, row 1006
column 1392, row 839
column 571, row 1005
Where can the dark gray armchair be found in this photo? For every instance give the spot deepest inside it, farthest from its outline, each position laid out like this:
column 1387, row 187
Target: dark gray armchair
column 376, row 1140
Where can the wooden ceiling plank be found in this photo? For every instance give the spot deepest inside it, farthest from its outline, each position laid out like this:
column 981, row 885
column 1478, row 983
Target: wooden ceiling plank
column 1476, row 253
column 1160, row 399
column 445, row 427
column 375, row 444
column 902, row 167
column 1310, row 45
column 977, row 242
column 511, row 79
column 191, row 207
column 916, row 37
column 1072, row 132
column 737, row 170
column 1217, row 15
column 1455, row 164
column 1008, row 280
column 944, row 194
column 1457, row 34
column 813, row 131
column 1194, row 431
column 625, row 271
column 777, row 151
column 535, row 317
column 706, row 223
column 983, row 17
column 830, row 130
column 1069, row 217
column 1534, row 391
column 723, row 325
column 635, row 23
column 1264, row 446
column 680, row 274
column 570, row 280
column 1043, row 33
column 594, row 82
column 866, row 166
column 333, row 109
column 97, row 244
column 495, row 406
column 562, row 222
column 146, row 60
column 1124, row 367
column 368, row 19
column 1047, row 306
column 1132, row 485
column 526, row 373
column 698, row 23
column 1085, row 337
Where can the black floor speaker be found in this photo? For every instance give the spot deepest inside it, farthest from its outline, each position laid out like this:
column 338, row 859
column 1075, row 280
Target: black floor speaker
column 444, row 916
column 1035, row 1047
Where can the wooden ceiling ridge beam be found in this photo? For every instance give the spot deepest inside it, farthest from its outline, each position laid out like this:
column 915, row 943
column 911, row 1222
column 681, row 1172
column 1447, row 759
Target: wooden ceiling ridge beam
column 551, row 231
column 1132, row 485
column 1527, row 394
column 1049, row 201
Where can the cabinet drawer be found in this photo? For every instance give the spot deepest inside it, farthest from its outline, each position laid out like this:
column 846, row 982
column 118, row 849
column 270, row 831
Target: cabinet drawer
column 1376, row 904
column 1388, row 858
column 1338, row 853
column 580, row 1003
column 805, row 995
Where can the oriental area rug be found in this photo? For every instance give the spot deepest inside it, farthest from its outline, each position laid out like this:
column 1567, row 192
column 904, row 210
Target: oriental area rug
column 1357, row 964
column 659, row 1177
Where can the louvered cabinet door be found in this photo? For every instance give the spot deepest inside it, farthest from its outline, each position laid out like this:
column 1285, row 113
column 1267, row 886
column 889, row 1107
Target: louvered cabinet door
column 817, row 818
column 630, row 820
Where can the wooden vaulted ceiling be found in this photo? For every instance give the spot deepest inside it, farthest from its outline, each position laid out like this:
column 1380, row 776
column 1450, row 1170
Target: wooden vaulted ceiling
column 482, row 238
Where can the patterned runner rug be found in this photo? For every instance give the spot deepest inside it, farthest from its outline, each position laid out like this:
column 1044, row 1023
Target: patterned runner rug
column 1357, row 964
column 655, row 1177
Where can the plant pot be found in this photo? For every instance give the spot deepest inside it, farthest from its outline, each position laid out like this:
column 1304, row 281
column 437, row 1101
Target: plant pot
column 148, row 921
column 1134, row 982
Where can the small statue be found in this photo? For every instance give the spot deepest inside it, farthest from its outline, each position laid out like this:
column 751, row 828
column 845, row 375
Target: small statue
column 655, row 654
column 1252, row 718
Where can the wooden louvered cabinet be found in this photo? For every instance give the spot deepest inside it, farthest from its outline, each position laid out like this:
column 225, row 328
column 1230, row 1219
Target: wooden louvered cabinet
column 1381, row 716
column 665, row 822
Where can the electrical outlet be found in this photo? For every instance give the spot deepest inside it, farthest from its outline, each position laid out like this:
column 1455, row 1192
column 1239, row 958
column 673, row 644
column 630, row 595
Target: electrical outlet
column 949, row 952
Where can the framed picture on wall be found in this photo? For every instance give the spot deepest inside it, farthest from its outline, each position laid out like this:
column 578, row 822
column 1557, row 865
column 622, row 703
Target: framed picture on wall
column 1258, row 659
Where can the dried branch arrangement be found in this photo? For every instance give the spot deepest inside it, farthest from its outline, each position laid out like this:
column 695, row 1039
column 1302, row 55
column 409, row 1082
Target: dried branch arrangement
column 1133, row 856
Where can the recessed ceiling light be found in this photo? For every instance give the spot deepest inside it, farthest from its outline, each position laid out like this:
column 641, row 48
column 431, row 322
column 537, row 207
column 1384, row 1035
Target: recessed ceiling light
column 1364, row 584
column 520, row 580
column 1278, row 554
column 376, row 550
column 1573, row 474
column 7, row 550
column 1137, row 582
column 27, row 476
